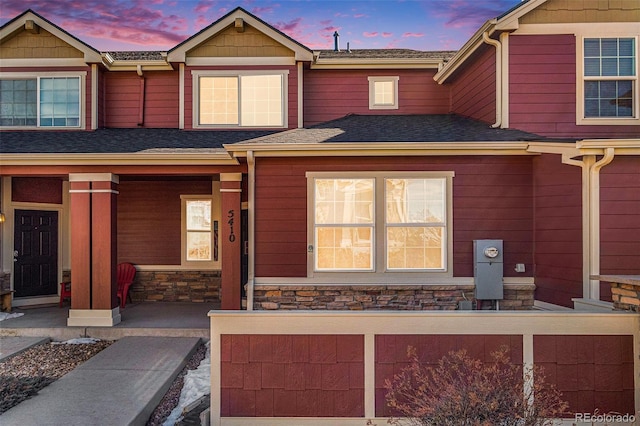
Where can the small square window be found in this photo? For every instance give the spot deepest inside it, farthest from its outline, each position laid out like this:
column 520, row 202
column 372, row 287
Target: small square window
column 383, row 92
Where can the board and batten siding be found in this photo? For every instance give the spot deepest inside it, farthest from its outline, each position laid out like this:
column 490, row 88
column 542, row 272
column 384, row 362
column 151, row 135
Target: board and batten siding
column 542, row 89
column 292, row 89
column 558, row 230
column 473, row 93
column 123, row 98
column 149, row 217
column 331, row 94
column 492, row 199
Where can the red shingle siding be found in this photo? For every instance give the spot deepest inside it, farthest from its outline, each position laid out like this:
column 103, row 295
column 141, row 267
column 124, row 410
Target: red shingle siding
column 558, row 230
column 620, row 221
column 292, row 90
column 292, row 375
column 594, row 373
column 330, row 94
column 542, row 89
column 473, row 94
column 123, row 97
column 492, row 200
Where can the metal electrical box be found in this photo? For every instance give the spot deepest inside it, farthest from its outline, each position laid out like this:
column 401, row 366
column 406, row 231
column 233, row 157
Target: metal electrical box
column 488, row 269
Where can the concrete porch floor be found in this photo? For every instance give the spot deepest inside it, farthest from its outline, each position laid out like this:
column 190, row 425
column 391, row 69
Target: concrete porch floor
column 167, row 319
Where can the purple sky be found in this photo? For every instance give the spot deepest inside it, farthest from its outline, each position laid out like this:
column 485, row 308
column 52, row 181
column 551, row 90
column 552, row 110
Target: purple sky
column 161, row 24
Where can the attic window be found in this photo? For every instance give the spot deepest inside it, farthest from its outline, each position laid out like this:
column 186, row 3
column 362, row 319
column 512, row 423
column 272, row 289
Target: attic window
column 241, row 100
column 383, row 92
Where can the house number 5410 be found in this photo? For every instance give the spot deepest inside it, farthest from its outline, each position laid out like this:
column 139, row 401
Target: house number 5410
column 230, row 218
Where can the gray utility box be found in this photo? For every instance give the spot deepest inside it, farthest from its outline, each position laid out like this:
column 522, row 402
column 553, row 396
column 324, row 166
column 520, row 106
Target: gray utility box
column 488, row 268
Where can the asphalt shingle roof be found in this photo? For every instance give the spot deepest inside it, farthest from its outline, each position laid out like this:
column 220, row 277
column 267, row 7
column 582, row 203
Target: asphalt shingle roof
column 111, row 141
column 398, row 128
column 385, row 54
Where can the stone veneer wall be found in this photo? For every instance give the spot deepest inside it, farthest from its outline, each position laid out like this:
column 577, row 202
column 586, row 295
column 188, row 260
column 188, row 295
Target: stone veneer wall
column 381, row 297
column 626, row 297
column 176, row 286
column 5, row 280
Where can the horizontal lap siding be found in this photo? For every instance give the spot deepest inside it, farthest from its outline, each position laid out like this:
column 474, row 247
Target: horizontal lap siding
column 558, row 230
column 149, row 217
column 473, row 94
column 542, row 89
column 620, row 216
column 492, row 200
column 122, row 100
column 330, row 94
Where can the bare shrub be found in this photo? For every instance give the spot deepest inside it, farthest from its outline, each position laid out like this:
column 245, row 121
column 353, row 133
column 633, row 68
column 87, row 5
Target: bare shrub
column 462, row 391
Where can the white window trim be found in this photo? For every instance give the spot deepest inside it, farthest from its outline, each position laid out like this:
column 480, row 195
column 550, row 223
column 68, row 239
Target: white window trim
column 36, row 75
column 580, row 79
column 380, row 273
column 215, row 217
column 372, row 92
column 195, row 101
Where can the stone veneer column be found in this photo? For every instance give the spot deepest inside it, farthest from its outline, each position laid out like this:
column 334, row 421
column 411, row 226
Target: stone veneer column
column 231, row 190
column 93, row 249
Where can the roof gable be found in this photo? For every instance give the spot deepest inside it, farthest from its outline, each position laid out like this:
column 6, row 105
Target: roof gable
column 237, row 21
column 29, row 35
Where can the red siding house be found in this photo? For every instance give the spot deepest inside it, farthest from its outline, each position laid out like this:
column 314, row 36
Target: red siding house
column 242, row 168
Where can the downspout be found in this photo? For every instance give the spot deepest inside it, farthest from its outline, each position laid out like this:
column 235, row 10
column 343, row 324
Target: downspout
column 251, row 163
column 141, row 97
column 594, row 199
column 498, row 46
column 590, row 218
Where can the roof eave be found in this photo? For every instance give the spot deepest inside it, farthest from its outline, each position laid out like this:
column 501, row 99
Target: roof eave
column 141, row 158
column 342, row 63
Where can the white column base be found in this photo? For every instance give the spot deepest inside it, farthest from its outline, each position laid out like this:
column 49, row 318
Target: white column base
column 93, row 317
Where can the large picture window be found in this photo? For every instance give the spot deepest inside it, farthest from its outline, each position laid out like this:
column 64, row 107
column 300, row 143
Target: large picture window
column 380, row 222
column 40, row 102
column 610, row 72
column 243, row 100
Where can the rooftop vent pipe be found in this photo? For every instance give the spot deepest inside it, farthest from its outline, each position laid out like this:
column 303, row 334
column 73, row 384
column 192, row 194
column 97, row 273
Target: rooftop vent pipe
column 336, row 38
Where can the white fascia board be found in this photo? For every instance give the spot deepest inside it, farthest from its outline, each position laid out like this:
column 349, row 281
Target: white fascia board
column 90, row 55
column 511, row 21
column 43, row 62
column 138, row 159
column 382, row 149
column 464, row 53
column 241, row 61
column 179, row 55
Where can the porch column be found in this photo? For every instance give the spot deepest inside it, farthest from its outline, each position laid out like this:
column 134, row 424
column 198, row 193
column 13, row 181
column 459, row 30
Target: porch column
column 93, row 249
column 231, row 190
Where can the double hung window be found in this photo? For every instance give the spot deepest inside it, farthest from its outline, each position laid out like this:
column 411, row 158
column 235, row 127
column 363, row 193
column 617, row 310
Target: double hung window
column 610, row 79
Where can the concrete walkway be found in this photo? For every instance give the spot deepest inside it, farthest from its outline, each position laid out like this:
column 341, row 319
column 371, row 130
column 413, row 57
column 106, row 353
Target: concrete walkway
column 11, row 346
column 121, row 385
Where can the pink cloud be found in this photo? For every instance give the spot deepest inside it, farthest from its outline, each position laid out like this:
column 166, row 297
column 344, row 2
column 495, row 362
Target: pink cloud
column 387, row 35
column 369, row 35
column 407, row 35
column 360, row 15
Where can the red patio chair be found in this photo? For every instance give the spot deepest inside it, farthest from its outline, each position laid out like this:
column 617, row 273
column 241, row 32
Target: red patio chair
column 126, row 272
column 65, row 291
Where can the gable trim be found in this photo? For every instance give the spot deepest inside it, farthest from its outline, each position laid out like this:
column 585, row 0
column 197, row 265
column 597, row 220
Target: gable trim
column 179, row 52
column 91, row 55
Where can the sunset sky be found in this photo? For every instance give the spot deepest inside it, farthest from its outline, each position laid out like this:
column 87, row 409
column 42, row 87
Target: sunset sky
column 109, row 25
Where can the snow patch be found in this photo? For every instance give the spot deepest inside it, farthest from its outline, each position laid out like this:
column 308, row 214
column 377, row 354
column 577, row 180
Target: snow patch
column 78, row 341
column 6, row 315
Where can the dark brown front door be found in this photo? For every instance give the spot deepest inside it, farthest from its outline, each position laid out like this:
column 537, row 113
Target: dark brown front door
column 35, row 256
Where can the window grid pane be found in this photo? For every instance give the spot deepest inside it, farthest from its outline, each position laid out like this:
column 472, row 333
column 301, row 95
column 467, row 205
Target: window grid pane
column 261, row 100
column 383, row 93
column 415, row 219
column 609, row 57
column 18, row 103
column 219, row 100
column 60, row 102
